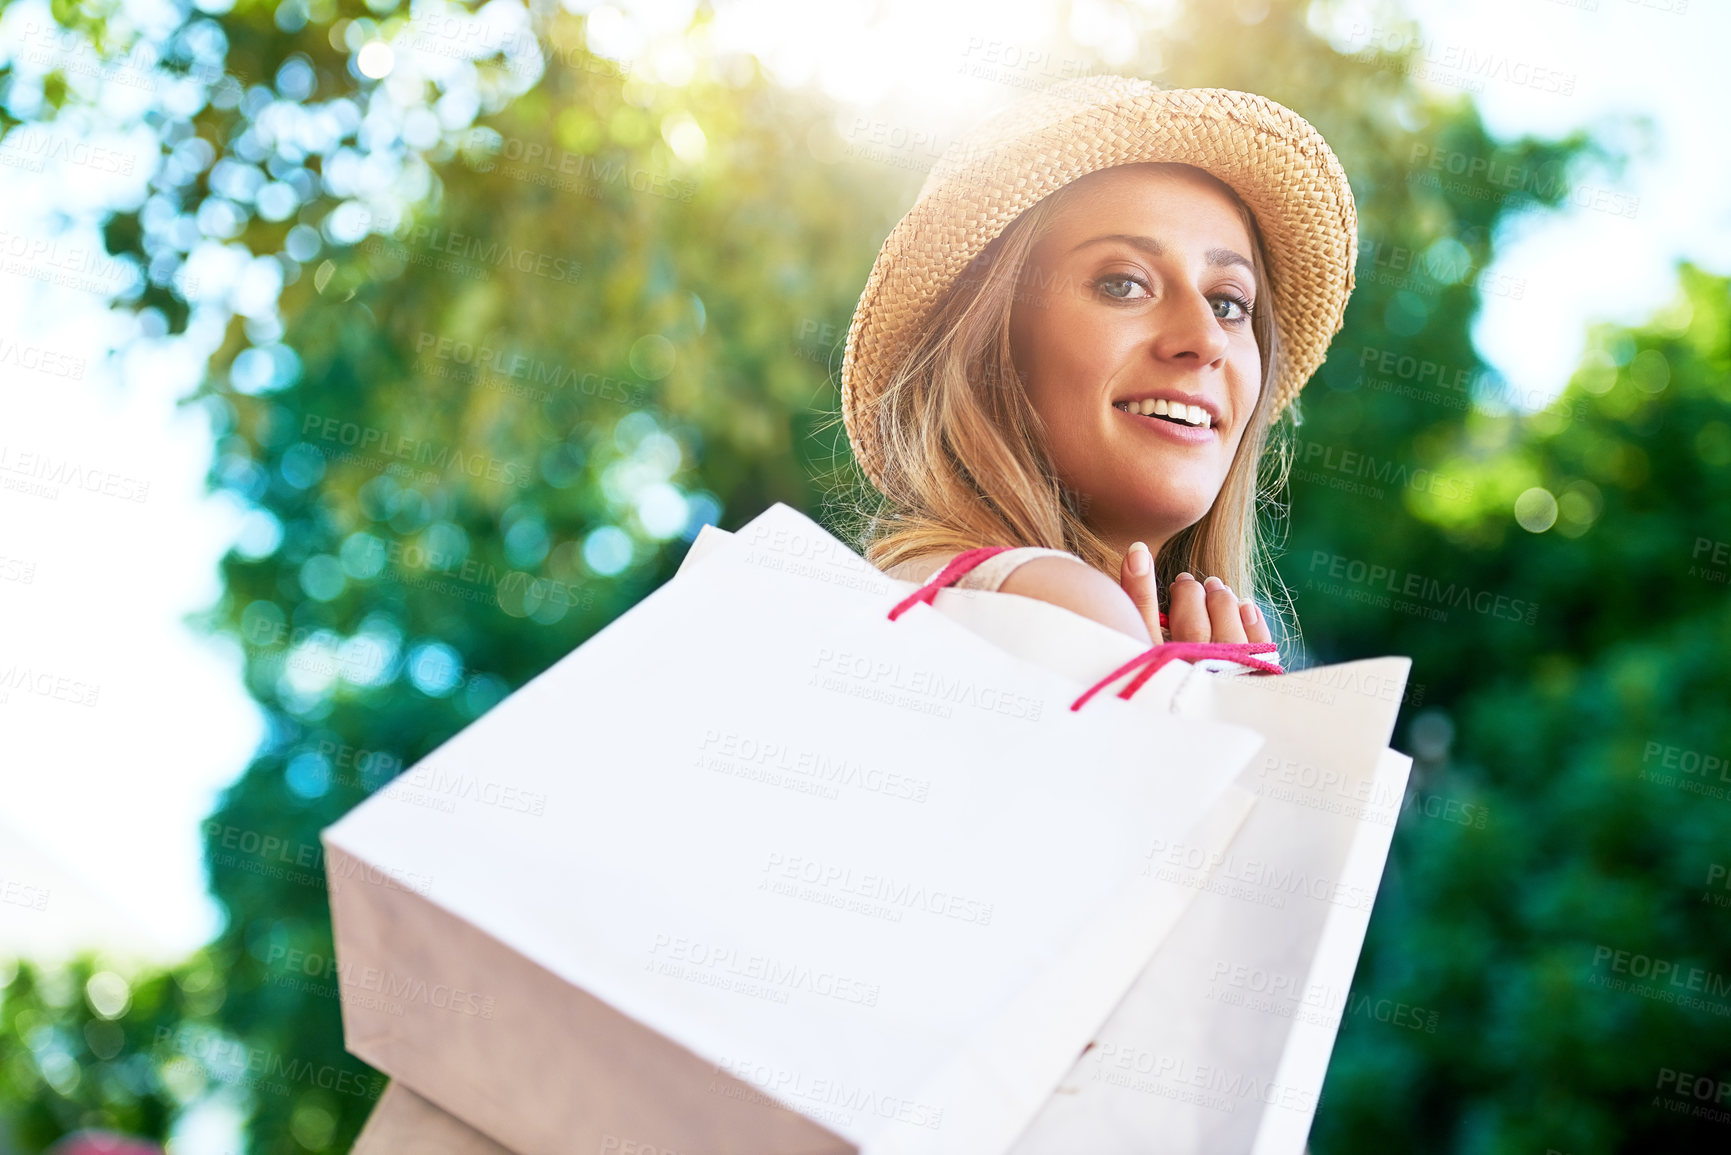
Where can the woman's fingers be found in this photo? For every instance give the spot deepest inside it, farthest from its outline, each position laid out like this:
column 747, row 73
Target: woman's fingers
column 1255, row 624
column 1198, row 611
column 1138, row 581
column 1223, row 619
column 1187, row 615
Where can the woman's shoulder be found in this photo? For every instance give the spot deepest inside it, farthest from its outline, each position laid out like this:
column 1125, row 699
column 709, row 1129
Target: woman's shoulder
column 1055, row 576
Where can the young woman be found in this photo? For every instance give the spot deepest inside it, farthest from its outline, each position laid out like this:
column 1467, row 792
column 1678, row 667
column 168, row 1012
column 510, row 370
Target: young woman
column 1079, row 340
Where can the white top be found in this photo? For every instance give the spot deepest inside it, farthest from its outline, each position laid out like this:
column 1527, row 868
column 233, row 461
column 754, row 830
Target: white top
column 991, row 573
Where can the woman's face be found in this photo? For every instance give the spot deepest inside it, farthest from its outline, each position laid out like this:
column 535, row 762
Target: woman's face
column 1136, row 294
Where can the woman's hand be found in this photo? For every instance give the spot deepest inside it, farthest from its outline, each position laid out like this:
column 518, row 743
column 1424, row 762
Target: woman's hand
column 1201, row 611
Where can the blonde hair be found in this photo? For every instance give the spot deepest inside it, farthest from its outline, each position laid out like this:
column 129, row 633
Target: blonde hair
column 965, row 461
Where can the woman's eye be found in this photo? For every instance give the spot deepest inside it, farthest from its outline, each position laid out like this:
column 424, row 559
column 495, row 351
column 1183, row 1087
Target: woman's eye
column 1110, row 286
column 1233, row 301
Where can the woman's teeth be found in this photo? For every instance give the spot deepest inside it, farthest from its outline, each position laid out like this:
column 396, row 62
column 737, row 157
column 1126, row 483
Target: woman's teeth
column 1172, row 410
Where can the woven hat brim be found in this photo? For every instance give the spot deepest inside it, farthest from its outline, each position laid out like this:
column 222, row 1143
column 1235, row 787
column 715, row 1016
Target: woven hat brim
column 1269, row 155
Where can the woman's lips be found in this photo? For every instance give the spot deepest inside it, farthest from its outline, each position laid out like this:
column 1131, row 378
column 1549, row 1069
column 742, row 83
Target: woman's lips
column 1172, row 430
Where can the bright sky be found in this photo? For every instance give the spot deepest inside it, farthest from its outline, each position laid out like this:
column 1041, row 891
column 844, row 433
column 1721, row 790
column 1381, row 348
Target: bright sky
column 110, row 795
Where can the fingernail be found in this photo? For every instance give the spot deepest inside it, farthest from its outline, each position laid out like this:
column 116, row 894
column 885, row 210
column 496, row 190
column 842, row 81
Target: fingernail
column 1213, row 583
column 1252, row 615
column 1140, row 560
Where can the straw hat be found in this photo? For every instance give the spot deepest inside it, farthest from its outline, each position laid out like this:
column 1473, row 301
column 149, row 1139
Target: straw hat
column 1280, row 166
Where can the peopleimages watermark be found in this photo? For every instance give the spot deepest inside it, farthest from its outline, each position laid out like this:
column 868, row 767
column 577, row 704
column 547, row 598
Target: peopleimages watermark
column 1718, row 892
column 757, row 975
column 1407, row 592
column 816, row 340
column 1689, row 1094
column 1451, row 810
column 1017, row 67
column 30, row 147
column 1420, row 378
column 1352, row 470
column 1204, row 1084
column 1400, row 267
column 879, row 895
column 429, row 779
column 52, row 48
column 16, row 893
column 918, row 689
column 1699, row 772
column 29, row 679
column 1243, row 984
column 867, row 579
column 777, row 762
column 612, row 1144
column 395, row 448
column 562, row 170
column 236, row 1063
column 361, row 983
column 485, row 359
column 1453, row 65
column 81, row 268
column 357, row 765
column 826, row 1098
column 471, row 256
column 1484, row 177
column 274, row 856
column 1665, row 980
column 453, row 573
column 41, row 359
column 1718, row 553
column 17, row 569
column 40, row 474
column 1324, row 684
column 464, row 37
column 1255, row 880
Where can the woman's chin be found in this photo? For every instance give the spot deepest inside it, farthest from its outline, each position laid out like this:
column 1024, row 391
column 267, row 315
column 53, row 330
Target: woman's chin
column 1159, row 514
column 1172, row 490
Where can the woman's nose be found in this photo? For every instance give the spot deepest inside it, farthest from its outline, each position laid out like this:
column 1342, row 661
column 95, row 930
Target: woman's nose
column 1186, row 328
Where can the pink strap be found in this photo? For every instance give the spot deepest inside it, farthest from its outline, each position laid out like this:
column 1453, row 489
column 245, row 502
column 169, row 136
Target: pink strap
column 959, row 565
column 1157, row 656
column 1149, row 660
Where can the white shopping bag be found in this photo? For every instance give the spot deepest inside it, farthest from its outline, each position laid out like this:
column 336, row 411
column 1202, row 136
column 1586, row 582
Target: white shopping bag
column 757, row 869
column 1223, row 1042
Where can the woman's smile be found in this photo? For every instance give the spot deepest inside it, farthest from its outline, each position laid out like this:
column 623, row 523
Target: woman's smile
column 1182, row 430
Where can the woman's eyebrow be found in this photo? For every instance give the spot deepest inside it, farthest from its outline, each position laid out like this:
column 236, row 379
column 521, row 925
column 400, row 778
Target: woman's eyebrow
column 1155, row 248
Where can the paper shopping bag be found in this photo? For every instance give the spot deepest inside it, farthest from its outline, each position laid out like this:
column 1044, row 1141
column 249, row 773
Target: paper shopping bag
column 1223, row 1041
column 403, row 1123
column 755, row 826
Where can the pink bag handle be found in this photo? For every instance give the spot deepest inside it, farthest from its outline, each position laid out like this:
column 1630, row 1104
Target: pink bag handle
column 959, row 565
column 1154, row 657
column 1150, row 660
